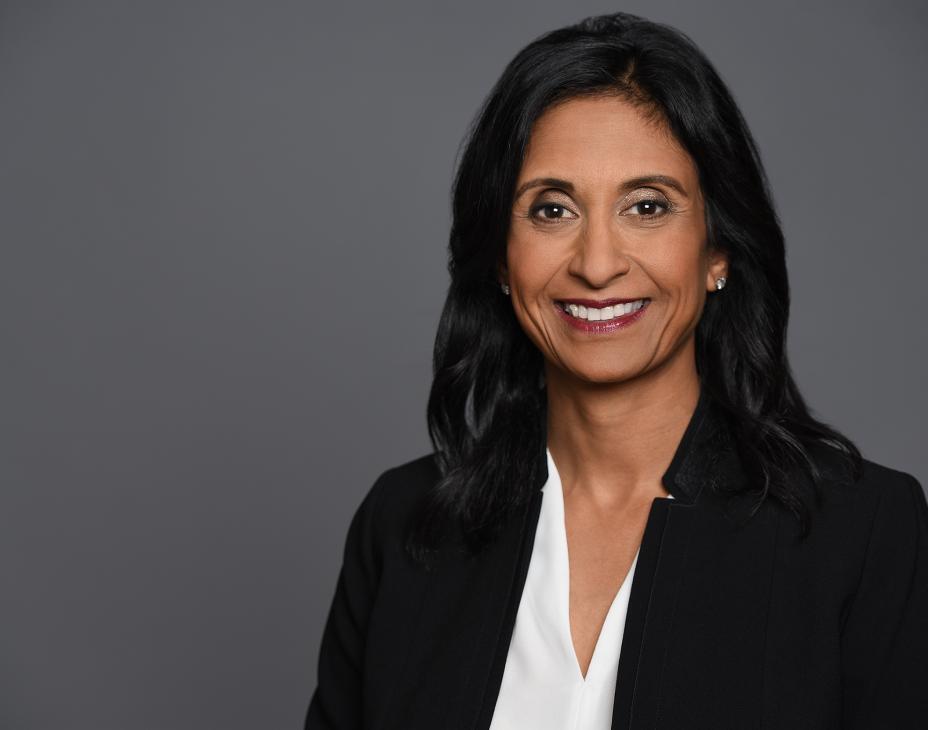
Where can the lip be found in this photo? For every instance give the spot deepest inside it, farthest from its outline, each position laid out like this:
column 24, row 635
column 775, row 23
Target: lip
column 601, row 327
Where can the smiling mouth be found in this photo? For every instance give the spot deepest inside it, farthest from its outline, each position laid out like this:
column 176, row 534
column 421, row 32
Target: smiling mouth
column 602, row 314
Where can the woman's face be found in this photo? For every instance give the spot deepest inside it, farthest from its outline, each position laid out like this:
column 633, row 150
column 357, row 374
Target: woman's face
column 608, row 206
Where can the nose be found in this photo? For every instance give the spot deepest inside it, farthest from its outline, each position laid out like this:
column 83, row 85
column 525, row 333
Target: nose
column 599, row 255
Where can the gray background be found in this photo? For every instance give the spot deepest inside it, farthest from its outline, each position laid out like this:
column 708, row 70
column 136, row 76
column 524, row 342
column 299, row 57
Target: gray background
column 223, row 234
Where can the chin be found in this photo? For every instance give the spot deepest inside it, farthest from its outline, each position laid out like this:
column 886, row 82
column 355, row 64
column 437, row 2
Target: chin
column 605, row 375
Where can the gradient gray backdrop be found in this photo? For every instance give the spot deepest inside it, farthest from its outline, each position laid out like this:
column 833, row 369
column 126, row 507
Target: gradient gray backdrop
column 223, row 259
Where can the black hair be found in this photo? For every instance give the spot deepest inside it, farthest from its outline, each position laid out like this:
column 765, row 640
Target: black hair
column 485, row 410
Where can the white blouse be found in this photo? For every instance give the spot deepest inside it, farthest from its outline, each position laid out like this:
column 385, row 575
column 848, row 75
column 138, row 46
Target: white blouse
column 542, row 686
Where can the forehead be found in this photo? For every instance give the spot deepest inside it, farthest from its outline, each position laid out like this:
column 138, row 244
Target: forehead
column 604, row 137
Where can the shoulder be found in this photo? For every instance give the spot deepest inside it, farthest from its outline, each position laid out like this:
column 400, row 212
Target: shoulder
column 886, row 485
column 881, row 511
column 399, row 487
column 877, row 486
column 418, row 471
column 385, row 509
column 894, row 505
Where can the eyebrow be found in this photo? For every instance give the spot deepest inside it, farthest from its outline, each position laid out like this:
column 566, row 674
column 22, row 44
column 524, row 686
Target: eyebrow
column 630, row 184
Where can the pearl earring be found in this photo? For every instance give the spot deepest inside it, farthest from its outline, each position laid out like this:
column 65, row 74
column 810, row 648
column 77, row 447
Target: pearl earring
column 504, row 287
column 719, row 283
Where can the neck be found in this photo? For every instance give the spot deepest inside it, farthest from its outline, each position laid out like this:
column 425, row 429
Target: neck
column 614, row 441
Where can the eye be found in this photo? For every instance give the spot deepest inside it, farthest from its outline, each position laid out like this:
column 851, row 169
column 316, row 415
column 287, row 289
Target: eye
column 550, row 212
column 650, row 208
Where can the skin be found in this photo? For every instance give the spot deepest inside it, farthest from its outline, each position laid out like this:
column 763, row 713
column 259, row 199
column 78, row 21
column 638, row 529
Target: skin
column 618, row 403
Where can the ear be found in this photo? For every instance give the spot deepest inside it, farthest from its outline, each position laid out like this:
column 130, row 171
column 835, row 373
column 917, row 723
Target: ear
column 718, row 266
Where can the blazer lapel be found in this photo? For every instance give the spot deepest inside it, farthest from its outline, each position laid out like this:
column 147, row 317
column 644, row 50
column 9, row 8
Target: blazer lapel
column 650, row 612
column 661, row 562
column 699, row 596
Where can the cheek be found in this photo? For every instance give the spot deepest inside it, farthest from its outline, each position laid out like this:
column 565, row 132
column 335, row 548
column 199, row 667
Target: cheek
column 530, row 263
column 681, row 277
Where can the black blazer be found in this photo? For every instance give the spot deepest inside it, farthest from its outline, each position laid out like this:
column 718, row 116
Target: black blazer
column 727, row 627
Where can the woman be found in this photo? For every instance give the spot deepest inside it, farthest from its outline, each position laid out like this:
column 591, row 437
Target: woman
column 630, row 519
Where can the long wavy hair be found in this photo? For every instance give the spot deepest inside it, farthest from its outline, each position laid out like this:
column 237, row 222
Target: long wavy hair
column 485, row 410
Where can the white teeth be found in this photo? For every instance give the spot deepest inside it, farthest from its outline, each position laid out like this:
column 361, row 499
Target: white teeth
column 598, row 315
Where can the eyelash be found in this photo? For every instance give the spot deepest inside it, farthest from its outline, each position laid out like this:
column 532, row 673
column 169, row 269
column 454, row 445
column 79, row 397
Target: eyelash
column 667, row 207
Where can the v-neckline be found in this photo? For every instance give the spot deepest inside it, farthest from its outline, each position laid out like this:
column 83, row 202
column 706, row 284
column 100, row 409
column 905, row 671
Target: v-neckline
column 608, row 632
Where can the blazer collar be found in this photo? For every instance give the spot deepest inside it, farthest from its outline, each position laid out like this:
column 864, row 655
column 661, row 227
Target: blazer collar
column 703, row 456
